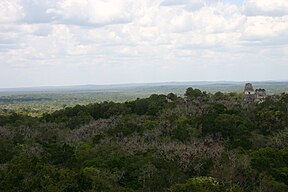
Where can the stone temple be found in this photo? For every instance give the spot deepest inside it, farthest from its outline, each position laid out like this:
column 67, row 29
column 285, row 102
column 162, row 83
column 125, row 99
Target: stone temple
column 260, row 95
column 250, row 95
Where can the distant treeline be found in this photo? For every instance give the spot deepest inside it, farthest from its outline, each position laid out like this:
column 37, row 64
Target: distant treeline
column 24, row 99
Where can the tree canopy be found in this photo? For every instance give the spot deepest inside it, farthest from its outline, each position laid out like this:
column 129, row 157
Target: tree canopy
column 200, row 142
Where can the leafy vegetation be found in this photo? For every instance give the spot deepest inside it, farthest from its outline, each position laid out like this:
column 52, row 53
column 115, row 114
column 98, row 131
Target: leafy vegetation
column 201, row 142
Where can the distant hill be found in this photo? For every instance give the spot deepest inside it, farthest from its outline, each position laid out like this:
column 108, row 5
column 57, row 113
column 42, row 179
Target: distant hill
column 209, row 86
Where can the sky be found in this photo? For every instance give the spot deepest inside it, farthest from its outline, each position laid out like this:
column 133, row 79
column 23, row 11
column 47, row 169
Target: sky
column 75, row 42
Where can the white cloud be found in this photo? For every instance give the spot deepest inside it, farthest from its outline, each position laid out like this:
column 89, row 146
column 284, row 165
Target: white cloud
column 10, row 11
column 89, row 12
column 37, row 11
column 263, row 26
column 187, row 4
column 160, row 39
column 266, row 7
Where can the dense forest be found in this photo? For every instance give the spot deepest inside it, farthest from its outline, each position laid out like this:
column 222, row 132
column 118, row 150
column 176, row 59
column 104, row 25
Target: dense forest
column 201, row 142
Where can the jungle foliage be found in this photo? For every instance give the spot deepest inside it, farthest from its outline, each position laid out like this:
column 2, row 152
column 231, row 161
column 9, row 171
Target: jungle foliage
column 200, row 142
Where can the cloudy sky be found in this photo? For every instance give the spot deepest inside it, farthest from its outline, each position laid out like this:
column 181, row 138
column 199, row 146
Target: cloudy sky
column 69, row 42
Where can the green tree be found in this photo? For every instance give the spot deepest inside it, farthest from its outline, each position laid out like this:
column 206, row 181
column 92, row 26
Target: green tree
column 198, row 184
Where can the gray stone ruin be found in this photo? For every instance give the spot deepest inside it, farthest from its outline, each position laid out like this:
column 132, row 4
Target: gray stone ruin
column 251, row 96
column 260, row 95
column 248, row 90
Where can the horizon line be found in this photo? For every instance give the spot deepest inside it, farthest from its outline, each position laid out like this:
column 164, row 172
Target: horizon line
column 138, row 83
